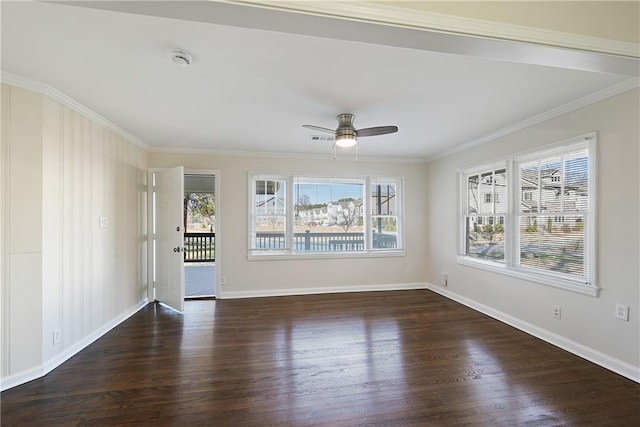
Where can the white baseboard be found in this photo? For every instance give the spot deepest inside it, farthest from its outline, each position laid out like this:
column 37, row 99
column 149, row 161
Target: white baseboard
column 320, row 290
column 49, row 365
column 618, row 366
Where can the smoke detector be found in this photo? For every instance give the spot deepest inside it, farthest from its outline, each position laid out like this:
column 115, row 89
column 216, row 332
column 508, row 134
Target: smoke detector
column 181, row 57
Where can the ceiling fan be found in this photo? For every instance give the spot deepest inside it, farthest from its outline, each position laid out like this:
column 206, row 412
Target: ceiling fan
column 346, row 134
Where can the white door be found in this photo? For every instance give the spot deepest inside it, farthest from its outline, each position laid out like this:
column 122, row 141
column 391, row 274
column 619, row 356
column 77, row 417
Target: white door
column 169, row 266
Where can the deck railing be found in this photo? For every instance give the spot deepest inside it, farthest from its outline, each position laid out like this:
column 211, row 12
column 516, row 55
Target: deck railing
column 199, row 247
column 323, row 242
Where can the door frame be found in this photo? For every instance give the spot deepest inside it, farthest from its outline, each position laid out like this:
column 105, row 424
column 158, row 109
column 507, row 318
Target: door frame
column 150, row 237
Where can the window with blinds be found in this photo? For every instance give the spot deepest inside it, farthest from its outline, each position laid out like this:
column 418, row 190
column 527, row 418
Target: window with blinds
column 532, row 215
column 552, row 223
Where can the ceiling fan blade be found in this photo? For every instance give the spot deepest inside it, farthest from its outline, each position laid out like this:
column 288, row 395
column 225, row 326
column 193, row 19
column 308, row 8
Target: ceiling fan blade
column 378, row 130
column 318, row 128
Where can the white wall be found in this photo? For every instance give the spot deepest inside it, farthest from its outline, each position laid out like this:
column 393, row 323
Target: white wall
column 271, row 277
column 62, row 171
column 588, row 324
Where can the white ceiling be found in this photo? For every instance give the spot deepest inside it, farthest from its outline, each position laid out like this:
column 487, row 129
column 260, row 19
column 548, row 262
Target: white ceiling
column 256, row 79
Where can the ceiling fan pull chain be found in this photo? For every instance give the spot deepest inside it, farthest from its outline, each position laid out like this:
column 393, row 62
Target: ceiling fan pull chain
column 356, row 152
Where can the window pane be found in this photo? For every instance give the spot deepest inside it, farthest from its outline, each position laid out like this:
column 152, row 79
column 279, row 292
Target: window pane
column 500, row 191
column 270, row 197
column 472, row 192
column 485, row 241
column 270, row 215
column 576, row 182
column 383, row 199
column 328, row 216
column 269, row 232
column 529, row 187
column 385, row 232
column 553, row 243
column 485, row 188
column 551, row 185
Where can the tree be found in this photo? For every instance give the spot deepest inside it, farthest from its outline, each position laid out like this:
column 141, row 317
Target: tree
column 347, row 216
column 304, row 204
column 199, row 205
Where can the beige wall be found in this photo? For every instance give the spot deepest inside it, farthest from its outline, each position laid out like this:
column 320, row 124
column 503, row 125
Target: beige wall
column 250, row 278
column 61, row 271
column 586, row 321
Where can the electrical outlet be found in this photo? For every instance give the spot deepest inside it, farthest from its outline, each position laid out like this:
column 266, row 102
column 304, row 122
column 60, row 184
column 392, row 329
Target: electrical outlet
column 57, row 336
column 557, row 312
column 445, row 279
column 407, row 272
column 622, row 312
column 102, row 222
column 223, row 280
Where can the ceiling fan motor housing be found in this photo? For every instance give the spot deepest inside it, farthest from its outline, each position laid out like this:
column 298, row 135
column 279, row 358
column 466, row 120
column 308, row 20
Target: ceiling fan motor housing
column 345, row 127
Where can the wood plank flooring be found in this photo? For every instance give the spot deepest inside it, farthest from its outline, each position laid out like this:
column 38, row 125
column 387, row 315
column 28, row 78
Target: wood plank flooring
column 403, row 358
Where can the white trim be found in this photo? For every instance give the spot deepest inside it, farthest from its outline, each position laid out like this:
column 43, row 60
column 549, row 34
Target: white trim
column 613, row 364
column 49, row 365
column 72, row 104
column 5, row 235
column 322, row 290
column 286, row 255
column 598, row 96
column 425, row 20
column 282, row 155
column 578, row 287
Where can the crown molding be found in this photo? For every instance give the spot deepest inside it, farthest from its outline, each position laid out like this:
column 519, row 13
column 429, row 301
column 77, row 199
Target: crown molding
column 56, row 95
column 347, row 157
column 418, row 19
column 592, row 98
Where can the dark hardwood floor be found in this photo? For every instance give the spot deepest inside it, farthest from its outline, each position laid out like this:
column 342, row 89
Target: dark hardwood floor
column 358, row 359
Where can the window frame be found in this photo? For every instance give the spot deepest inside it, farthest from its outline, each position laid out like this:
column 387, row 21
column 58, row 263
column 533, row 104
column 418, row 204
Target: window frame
column 511, row 267
column 289, row 252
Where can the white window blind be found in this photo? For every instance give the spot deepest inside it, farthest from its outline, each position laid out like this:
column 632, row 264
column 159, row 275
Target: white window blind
column 552, row 223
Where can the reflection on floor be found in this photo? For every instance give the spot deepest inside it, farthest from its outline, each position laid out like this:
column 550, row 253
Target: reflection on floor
column 199, row 279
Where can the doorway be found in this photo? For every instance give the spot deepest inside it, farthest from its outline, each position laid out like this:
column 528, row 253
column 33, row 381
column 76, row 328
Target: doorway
column 199, row 214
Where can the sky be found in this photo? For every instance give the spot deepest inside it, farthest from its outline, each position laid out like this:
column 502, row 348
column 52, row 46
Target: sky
column 327, row 192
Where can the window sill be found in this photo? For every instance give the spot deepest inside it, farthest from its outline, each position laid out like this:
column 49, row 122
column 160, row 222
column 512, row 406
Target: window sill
column 556, row 282
column 331, row 255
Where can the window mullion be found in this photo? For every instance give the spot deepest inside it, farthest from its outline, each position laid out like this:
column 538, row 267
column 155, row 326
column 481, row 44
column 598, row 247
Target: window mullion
column 289, row 240
column 512, row 241
column 562, row 182
column 366, row 217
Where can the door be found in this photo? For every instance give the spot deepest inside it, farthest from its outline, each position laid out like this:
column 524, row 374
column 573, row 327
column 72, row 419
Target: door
column 169, row 267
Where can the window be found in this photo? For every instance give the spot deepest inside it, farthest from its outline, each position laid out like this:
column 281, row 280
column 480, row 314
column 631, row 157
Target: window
column 481, row 239
column 270, row 220
column 297, row 215
column 384, row 214
column 545, row 231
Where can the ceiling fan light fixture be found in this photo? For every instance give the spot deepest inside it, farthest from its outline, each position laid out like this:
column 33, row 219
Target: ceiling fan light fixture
column 344, row 141
column 346, row 134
